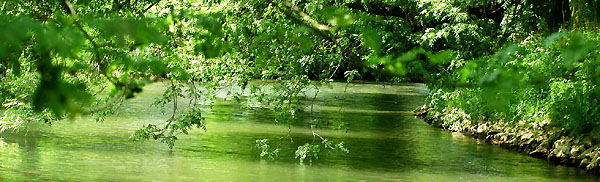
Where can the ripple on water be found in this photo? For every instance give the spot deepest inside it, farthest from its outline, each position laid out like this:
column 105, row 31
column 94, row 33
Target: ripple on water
column 386, row 144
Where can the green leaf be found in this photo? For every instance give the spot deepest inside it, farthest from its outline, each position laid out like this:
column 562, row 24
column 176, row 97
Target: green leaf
column 371, row 39
column 550, row 39
column 577, row 48
column 442, row 57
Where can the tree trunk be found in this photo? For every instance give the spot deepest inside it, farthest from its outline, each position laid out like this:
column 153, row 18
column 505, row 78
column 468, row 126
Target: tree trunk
column 585, row 14
column 556, row 13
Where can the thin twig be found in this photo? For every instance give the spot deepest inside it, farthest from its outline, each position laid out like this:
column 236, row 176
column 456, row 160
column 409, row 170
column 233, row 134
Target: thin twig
column 318, row 28
column 120, row 6
column 289, row 122
column 344, row 100
column 95, row 47
column 99, row 91
column 69, row 6
column 322, row 139
column 110, row 102
column 174, row 94
column 336, row 69
column 150, row 6
column 312, row 124
column 170, row 120
column 3, row 6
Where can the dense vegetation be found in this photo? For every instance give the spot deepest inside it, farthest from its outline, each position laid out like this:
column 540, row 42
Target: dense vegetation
column 531, row 61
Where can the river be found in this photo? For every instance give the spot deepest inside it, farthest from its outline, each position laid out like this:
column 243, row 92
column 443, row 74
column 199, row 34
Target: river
column 386, row 143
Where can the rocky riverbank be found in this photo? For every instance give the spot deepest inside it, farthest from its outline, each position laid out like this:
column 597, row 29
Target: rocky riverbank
column 541, row 141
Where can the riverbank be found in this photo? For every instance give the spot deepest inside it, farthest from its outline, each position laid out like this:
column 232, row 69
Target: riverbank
column 540, row 141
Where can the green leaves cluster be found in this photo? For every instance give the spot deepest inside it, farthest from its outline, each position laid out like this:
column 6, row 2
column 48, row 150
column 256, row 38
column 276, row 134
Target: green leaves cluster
column 174, row 126
column 64, row 58
column 541, row 81
column 312, row 151
column 265, row 149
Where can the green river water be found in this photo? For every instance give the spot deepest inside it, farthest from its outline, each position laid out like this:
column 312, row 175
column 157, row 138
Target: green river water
column 386, row 143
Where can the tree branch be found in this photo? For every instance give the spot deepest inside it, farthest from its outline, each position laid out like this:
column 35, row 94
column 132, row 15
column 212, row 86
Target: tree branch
column 306, row 17
column 111, row 102
column 69, row 7
column 95, row 46
column 120, row 6
column 150, row 6
column 321, row 29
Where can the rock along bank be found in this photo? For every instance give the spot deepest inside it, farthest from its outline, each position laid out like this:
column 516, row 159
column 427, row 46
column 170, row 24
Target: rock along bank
column 537, row 141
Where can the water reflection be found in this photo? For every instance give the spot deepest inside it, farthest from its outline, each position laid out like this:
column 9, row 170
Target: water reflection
column 386, row 144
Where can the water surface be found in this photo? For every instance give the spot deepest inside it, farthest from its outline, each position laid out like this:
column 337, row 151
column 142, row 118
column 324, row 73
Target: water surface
column 386, row 144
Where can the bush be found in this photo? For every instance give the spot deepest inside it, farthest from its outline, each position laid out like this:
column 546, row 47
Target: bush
column 574, row 106
column 536, row 82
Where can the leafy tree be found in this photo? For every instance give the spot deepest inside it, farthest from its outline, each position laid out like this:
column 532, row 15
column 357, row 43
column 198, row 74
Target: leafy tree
column 79, row 57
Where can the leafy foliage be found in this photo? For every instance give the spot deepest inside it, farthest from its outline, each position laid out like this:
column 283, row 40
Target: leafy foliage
column 175, row 126
column 539, row 81
column 489, row 60
column 266, row 150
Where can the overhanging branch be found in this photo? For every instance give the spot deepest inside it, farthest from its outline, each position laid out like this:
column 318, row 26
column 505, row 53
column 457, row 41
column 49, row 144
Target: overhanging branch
column 110, row 103
column 306, row 17
column 318, row 28
column 69, row 7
